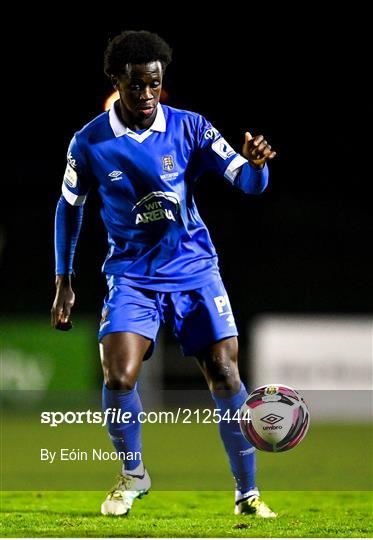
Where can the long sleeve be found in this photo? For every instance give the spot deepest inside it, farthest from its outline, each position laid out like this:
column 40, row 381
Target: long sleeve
column 252, row 181
column 67, row 226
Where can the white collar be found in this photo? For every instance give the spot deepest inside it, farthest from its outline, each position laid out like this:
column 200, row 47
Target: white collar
column 120, row 129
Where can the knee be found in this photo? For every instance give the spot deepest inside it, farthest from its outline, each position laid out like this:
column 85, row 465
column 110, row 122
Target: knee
column 118, row 375
column 223, row 371
column 119, row 381
column 226, row 381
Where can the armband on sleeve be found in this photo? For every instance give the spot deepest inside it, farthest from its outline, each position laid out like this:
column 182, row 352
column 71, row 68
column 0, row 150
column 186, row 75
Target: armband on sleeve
column 76, row 180
column 215, row 153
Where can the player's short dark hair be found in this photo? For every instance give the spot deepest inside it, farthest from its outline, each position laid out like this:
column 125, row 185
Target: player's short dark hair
column 135, row 47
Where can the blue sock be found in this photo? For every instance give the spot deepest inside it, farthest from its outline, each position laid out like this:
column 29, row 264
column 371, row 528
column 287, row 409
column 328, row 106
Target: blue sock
column 240, row 452
column 126, row 437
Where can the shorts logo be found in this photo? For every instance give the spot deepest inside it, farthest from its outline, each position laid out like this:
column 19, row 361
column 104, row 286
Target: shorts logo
column 230, row 320
column 222, row 148
column 70, row 176
column 221, row 302
column 168, row 163
column 224, row 308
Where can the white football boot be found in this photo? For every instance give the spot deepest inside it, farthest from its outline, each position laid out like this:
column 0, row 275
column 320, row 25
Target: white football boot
column 128, row 488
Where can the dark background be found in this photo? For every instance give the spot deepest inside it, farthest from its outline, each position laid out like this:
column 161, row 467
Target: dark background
column 298, row 77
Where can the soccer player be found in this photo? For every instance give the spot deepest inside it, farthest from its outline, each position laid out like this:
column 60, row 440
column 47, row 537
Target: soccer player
column 144, row 158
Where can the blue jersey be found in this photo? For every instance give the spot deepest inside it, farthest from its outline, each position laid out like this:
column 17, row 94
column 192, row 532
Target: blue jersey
column 157, row 239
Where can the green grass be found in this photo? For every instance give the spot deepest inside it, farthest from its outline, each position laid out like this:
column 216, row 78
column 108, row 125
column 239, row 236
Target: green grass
column 186, row 514
column 323, row 488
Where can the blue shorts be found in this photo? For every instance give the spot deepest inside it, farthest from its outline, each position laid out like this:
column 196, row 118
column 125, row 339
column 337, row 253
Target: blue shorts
column 200, row 317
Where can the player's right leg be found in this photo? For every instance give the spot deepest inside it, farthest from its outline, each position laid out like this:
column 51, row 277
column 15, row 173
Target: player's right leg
column 122, row 354
column 127, row 332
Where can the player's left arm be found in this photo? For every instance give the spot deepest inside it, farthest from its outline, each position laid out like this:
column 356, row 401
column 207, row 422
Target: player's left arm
column 247, row 171
column 252, row 176
column 257, row 151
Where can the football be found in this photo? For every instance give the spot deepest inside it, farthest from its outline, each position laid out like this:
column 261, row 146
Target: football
column 274, row 418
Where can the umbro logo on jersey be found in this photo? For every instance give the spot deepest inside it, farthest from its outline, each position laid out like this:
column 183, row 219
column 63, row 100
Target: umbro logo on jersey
column 115, row 175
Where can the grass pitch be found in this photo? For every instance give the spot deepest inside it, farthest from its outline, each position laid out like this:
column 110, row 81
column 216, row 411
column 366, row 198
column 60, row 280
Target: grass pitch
column 186, row 514
column 308, row 481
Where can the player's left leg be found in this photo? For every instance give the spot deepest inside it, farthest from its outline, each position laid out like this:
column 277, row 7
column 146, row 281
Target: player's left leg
column 219, row 365
column 205, row 327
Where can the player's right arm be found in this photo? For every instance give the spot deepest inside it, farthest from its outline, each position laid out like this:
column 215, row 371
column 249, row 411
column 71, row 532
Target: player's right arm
column 63, row 302
column 68, row 220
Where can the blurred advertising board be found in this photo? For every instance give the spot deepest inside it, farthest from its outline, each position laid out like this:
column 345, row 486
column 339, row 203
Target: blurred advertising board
column 329, row 357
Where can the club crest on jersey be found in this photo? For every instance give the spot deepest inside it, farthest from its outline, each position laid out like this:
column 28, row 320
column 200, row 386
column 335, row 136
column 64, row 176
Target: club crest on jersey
column 168, row 163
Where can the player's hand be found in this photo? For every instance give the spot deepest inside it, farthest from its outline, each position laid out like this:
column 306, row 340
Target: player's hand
column 256, row 150
column 63, row 302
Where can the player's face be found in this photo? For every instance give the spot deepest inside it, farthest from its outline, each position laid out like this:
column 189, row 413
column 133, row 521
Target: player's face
column 140, row 89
